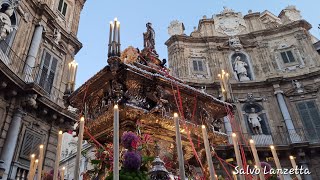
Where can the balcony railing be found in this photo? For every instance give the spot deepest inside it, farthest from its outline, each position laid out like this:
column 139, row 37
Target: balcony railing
column 279, row 138
column 31, row 74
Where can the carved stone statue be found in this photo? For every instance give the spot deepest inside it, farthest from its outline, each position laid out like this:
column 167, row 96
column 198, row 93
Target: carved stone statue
column 297, row 85
column 5, row 23
column 240, row 69
column 57, row 36
column 149, row 37
column 254, row 119
column 235, row 43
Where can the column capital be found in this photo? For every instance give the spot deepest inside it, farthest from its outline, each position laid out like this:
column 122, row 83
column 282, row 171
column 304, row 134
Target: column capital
column 19, row 112
column 278, row 92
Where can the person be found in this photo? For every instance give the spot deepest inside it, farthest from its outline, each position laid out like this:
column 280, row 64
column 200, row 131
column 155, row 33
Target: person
column 149, row 37
column 241, row 70
column 254, row 119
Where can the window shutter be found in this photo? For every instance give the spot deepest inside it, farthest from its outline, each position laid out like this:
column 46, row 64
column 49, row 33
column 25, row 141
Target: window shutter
column 64, row 11
column 31, row 143
column 307, row 113
column 195, row 65
column 290, row 56
column 200, row 66
column 284, row 57
column 60, row 5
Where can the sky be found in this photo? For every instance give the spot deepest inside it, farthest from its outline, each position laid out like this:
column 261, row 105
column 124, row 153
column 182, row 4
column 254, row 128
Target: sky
column 133, row 16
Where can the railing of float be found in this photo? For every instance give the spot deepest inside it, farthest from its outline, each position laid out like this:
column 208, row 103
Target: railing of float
column 32, row 74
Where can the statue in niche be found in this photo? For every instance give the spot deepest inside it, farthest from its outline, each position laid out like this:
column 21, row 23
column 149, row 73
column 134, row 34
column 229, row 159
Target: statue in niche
column 5, row 23
column 297, row 85
column 254, row 120
column 240, row 69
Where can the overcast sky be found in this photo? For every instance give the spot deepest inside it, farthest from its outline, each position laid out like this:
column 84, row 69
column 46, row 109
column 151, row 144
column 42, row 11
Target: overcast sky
column 133, row 15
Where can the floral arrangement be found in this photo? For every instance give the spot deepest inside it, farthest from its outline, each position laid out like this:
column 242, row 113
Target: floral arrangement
column 134, row 164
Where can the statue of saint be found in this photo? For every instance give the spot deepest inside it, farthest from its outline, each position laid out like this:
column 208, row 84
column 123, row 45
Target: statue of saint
column 149, row 37
column 241, row 70
column 254, row 119
column 5, row 23
column 298, row 86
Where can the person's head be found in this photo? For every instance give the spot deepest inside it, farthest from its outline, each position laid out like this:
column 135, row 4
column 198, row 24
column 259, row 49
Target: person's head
column 253, row 110
column 149, row 24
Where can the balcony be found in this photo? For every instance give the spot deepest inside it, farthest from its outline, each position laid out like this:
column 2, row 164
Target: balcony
column 31, row 75
column 277, row 138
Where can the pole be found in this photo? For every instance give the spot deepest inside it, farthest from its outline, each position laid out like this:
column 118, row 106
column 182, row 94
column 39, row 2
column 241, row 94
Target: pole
column 179, row 147
column 79, row 149
column 208, row 152
column 256, row 158
column 58, row 153
column 276, row 160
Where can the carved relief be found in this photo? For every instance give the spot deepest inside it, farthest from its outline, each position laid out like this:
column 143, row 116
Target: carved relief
column 229, row 22
column 176, row 28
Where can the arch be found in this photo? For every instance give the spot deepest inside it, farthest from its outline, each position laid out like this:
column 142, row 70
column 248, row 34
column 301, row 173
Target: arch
column 244, row 57
column 246, row 109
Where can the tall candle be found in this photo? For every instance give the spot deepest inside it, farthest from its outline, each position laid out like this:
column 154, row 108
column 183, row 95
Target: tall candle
column 62, row 172
column 234, row 175
column 115, row 30
column 208, row 152
column 58, row 153
column 179, row 147
column 79, row 149
column 116, row 143
column 32, row 160
column 294, row 165
column 276, row 160
column 110, row 37
column 118, row 44
column 33, row 172
column 237, row 153
column 41, row 151
column 256, row 158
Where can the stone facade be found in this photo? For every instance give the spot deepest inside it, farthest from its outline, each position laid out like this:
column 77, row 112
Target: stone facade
column 38, row 43
column 277, row 73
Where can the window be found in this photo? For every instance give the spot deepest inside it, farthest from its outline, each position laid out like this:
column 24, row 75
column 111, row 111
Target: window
column 310, row 118
column 47, row 71
column 287, row 57
column 62, row 7
column 31, row 143
column 197, row 65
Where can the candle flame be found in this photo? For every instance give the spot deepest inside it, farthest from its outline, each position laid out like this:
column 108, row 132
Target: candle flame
column 175, row 115
column 251, row 141
column 82, row 118
column 203, row 126
column 271, row 147
column 37, row 161
column 33, row 155
column 234, row 134
column 291, row 157
column 233, row 172
column 63, row 168
column 116, row 106
column 60, row 132
column 111, row 22
column 41, row 146
column 115, row 19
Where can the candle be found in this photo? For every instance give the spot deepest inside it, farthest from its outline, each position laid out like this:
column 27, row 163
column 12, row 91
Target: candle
column 79, row 149
column 58, row 152
column 110, row 37
column 276, row 160
column 34, row 168
column 234, row 175
column 179, row 147
column 294, row 165
column 32, row 160
column 116, row 143
column 40, row 162
column 237, row 153
column 118, row 45
column 115, row 30
column 62, row 172
column 208, row 152
column 256, row 158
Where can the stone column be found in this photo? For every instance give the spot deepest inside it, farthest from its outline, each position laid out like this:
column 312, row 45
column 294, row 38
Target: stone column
column 294, row 137
column 11, row 141
column 228, row 128
column 32, row 54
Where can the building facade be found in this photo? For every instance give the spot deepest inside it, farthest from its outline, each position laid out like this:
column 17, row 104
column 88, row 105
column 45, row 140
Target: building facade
column 37, row 49
column 273, row 71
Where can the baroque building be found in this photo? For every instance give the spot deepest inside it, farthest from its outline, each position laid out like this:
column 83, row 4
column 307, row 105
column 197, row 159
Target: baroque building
column 37, row 49
column 274, row 77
